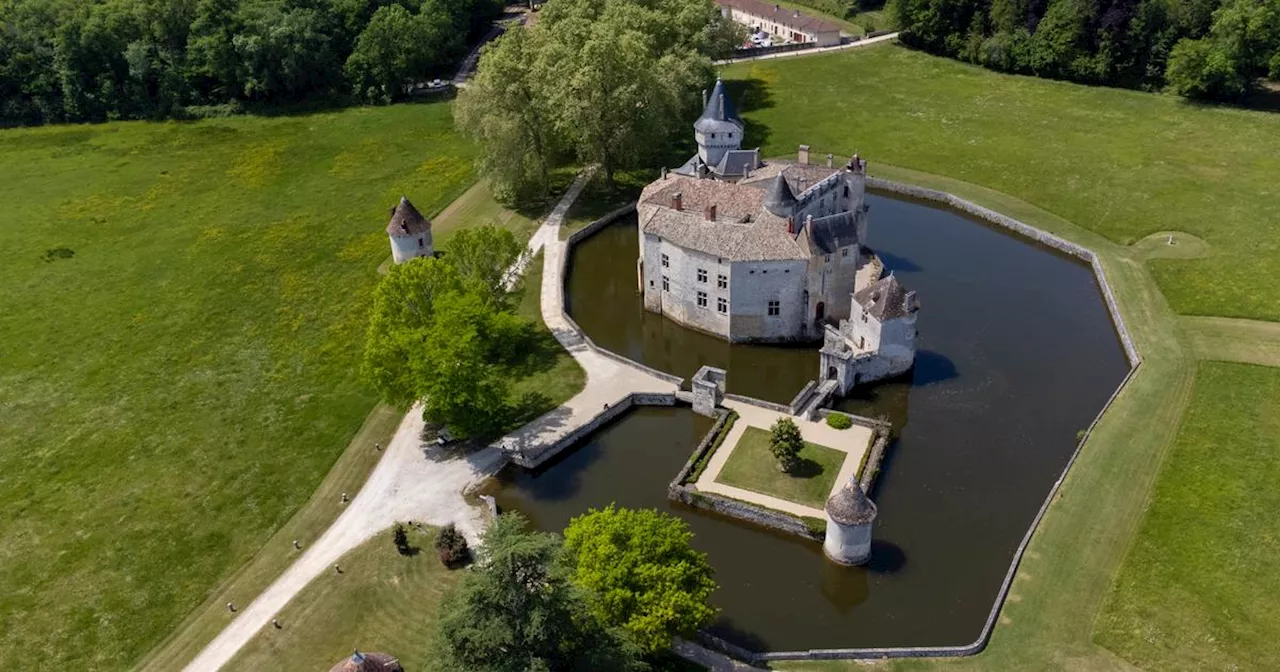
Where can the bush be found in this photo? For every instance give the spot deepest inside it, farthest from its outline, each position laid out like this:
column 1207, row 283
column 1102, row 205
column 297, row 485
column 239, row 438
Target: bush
column 785, row 443
column 839, row 421
column 401, row 540
column 451, row 547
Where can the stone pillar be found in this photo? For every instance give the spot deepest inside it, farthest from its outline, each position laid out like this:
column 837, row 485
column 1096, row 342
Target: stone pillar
column 850, row 516
column 708, row 389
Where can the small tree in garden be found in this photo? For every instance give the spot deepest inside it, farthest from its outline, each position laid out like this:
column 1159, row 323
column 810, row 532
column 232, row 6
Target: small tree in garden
column 785, row 443
column 451, row 547
column 401, row 539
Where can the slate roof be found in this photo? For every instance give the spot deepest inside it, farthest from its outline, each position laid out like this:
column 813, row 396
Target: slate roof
column 885, row 299
column 406, row 220
column 737, row 162
column 719, row 115
column 368, row 662
column 850, row 506
column 778, row 198
column 833, row 232
column 793, row 19
column 742, row 230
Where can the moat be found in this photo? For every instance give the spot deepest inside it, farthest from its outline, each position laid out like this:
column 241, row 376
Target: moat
column 1016, row 355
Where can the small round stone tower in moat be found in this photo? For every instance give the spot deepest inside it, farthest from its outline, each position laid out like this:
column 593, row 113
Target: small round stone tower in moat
column 850, row 515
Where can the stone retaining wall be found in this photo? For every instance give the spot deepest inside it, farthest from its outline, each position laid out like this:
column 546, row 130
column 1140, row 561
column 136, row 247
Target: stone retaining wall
column 732, row 508
column 535, row 460
column 722, row 417
column 802, row 398
column 759, row 402
column 1027, row 231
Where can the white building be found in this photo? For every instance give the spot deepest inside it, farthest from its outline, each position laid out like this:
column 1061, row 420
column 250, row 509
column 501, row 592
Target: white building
column 877, row 341
column 751, row 251
column 410, row 233
column 783, row 24
column 850, row 517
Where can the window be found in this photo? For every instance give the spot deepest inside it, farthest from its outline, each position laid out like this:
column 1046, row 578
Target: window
column 421, row 244
column 702, row 275
column 722, row 281
column 702, row 299
column 666, row 262
column 722, row 305
column 775, row 308
column 844, row 251
column 650, row 283
column 666, row 284
column 826, row 258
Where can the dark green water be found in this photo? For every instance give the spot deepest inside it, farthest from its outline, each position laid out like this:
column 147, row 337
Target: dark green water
column 1017, row 355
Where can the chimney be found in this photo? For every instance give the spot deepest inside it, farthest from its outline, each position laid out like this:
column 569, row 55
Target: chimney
column 804, row 155
column 710, row 212
column 831, row 160
column 808, row 221
column 704, row 99
column 791, row 225
column 677, row 201
column 909, row 302
column 664, row 172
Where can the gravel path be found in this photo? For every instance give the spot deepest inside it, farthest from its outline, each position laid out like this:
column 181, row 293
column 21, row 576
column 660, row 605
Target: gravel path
column 412, row 482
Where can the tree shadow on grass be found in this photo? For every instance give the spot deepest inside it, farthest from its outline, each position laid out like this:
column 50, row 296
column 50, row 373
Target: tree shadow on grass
column 805, row 468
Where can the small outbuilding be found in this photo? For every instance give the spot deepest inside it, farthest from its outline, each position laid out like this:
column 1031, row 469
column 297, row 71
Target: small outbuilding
column 850, row 516
column 410, row 233
column 368, row 662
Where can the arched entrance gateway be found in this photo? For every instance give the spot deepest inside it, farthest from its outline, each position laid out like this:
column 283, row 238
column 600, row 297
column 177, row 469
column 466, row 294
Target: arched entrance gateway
column 832, row 373
column 821, row 311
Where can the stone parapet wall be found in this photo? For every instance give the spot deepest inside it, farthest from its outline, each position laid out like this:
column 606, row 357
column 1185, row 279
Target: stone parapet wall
column 1027, row 231
column 703, row 446
column 801, row 400
column 758, row 402
column 590, row 229
column 732, row 508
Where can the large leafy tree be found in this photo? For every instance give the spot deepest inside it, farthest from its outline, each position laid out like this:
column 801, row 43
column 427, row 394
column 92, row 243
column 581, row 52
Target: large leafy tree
column 398, row 46
column 517, row 611
column 642, row 573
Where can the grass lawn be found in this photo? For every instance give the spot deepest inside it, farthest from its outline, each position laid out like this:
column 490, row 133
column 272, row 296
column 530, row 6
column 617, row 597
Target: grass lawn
column 1199, row 587
column 1121, row 163
column 190, row 300
column 382, row 601
column 752, row 467
column 550, row 375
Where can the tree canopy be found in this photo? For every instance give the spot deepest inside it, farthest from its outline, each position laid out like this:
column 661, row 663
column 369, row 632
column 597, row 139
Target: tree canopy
column 442, row 332
column 1198, row 48
column 517, row 610
column 93, row 60
column 602, row 81
column 642, row 573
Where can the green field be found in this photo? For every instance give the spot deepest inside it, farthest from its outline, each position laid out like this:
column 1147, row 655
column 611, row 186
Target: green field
column 184, row 305
column 382, row 601
column 1199, row 588
column 752, row 467
column 1121, row 163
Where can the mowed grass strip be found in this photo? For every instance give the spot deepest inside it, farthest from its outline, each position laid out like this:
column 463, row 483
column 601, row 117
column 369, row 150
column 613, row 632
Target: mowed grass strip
column 182, row 308
column 1121, row 163
column 382, row 601
column 752, row 467
column 1199, row 586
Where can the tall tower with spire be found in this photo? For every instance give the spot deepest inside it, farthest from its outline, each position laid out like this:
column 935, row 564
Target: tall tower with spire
column 719, row 129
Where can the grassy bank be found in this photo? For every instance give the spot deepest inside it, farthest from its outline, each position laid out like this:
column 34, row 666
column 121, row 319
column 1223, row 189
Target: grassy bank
column 1198, row 589
column 1120, row 163
column 184, row 303
column 382, row 601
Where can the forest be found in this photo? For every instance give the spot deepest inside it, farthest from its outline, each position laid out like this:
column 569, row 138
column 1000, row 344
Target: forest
column 1207, row 49
column 97, row 60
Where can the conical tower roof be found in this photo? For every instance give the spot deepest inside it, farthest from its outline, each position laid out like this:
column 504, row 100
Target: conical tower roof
column 406, row 220
column 850, row 506
column 368, row 662
column 719, row 115
column 778, row 199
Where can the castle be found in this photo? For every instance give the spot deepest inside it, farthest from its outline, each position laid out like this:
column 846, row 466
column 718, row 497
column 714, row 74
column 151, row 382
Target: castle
column 755, row 251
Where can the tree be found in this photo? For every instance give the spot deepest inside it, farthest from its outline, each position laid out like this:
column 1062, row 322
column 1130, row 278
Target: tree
column 285, row 53
column 398, row 46
column 785, row 443
column 517, row 610
column 482, row 255
column 451, row 546
column 1203, row 69
column 642, row 573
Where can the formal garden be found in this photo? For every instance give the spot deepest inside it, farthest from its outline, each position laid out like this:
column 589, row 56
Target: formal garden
column 770, row 464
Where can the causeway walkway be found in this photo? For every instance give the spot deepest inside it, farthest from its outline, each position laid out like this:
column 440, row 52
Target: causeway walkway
column 414, row 482
column 854, row 442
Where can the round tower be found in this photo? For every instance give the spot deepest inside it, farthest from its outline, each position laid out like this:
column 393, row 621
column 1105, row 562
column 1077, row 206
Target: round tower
column 410, row 233
column 719, row 129
column 850, row 516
